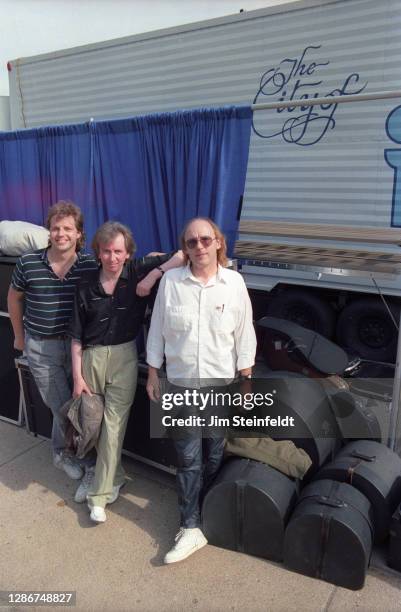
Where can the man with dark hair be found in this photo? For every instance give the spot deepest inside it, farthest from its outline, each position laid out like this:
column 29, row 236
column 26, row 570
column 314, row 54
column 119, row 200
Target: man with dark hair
column 202, row 324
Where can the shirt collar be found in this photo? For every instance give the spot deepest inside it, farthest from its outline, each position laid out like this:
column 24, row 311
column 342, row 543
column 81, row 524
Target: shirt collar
column 123, row 275
column 124, row 272
column 45, row 258
column 43, row 255
column 221, row 275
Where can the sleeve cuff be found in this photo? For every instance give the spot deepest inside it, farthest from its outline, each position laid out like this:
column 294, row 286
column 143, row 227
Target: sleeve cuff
column 73, row 335
column 13, row 285
column 154, row 360
column 245, row 361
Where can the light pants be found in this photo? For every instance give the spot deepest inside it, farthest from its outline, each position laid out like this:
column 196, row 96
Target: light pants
column 111, row 371
column 50, row 364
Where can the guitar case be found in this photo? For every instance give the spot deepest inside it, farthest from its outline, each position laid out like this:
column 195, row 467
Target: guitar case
column 289, row 346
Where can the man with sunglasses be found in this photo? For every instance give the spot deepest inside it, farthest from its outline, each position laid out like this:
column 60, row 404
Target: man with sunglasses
column 202, row 323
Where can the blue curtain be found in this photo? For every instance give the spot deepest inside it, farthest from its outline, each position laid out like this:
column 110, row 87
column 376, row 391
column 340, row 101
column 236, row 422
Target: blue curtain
column 152, row 173
column 20, row 184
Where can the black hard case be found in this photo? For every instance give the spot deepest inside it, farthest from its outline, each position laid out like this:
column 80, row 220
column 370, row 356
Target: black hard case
column 7, row 265
column 305, row 400
column 394, row 549
column 247, row 508
column 289, row 346
column 9, row 384
column 373, row 469
column 355, row 416
column 329, row 535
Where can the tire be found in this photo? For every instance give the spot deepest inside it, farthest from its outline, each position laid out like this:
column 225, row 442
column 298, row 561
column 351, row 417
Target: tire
column 303, row 308
column 365, row 327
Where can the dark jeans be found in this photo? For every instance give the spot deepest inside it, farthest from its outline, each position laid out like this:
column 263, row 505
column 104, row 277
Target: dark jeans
column 198, row 461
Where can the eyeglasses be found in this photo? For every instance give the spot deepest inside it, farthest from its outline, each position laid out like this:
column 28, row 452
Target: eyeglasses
column 205, row 241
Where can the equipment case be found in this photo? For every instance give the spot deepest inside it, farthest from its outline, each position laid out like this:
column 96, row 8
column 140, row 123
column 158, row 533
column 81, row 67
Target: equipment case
column 247, row 508
column 329, row 535
column 373, row 469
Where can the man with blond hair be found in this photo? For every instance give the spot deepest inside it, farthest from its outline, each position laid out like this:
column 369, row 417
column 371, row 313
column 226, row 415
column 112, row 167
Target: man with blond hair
column 202, row 324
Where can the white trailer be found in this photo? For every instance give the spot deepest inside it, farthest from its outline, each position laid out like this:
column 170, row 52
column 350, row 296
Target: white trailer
column 318, row 234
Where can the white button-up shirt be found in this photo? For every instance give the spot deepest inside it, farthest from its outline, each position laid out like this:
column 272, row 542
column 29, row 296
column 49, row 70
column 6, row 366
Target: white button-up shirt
column 205, row 331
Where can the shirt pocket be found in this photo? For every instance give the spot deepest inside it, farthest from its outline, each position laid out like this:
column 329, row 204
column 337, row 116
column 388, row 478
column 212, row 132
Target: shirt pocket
column 178, row 319
column 224, row 321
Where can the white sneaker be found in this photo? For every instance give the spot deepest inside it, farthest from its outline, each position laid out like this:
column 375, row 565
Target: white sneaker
column 70, row 467
column 82, row 491
column 187, row 541
column 98, row 515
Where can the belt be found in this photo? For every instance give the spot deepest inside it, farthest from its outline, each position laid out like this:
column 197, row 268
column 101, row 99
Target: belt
column 49, row 337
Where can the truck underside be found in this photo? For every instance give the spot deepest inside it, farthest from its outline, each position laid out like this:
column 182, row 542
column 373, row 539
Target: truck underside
column 338, row 281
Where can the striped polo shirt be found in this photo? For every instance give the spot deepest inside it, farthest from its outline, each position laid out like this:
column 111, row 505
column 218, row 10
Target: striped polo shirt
column 48, row 299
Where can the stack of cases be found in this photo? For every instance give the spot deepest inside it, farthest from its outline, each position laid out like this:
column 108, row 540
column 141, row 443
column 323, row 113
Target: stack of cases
column 337, row 518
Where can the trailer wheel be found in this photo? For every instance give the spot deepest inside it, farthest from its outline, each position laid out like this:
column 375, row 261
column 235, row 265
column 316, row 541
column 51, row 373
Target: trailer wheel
column 303, row 308
column 365, row 327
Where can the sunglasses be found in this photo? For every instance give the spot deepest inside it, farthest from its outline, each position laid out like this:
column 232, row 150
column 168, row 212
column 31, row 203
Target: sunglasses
column 205, row 241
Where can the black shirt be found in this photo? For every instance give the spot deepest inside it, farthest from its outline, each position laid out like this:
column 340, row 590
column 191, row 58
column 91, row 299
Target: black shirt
column 100, row 318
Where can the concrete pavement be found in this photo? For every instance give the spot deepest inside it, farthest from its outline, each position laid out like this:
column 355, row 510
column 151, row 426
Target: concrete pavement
column 47, row 542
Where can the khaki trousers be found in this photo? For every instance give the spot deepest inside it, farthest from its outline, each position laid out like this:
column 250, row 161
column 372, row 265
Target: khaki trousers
column 111, row 371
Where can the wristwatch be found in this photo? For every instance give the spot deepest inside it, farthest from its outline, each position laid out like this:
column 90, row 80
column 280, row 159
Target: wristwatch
column 245, row 376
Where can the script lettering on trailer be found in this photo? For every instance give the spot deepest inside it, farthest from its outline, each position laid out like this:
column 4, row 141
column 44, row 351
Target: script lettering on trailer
column 301, row 78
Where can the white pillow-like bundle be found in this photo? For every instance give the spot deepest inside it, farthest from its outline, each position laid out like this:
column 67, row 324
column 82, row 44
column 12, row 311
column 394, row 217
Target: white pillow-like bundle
column 19, row 237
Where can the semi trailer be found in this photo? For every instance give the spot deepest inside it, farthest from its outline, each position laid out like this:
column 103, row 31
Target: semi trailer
column 319, row 238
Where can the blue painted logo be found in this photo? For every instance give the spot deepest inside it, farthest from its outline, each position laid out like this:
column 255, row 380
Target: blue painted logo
column 393, row 158
column 301, row 78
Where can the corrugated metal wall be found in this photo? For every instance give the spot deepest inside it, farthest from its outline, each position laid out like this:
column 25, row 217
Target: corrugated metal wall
column 5, row 122
column 324, row 167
